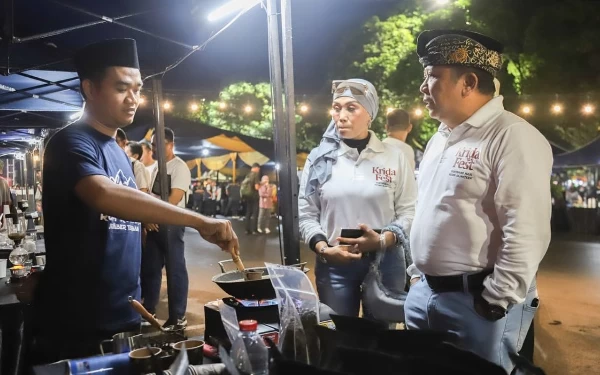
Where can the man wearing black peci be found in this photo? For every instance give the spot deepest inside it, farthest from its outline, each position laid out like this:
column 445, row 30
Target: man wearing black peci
column 93, row 212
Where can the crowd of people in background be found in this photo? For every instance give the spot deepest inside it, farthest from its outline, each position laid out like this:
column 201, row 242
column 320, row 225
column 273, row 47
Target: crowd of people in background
column 240, row 199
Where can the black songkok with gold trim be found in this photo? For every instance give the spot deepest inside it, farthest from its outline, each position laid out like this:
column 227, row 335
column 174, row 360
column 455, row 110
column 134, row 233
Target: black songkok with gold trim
column 460, row 47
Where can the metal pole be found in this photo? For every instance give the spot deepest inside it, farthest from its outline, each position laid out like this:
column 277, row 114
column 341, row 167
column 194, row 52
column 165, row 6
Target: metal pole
column 287, row 163
column 291, row 243
column 159, row 137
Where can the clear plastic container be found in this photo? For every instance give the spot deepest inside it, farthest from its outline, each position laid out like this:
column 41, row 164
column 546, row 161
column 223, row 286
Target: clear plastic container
column 249, row 352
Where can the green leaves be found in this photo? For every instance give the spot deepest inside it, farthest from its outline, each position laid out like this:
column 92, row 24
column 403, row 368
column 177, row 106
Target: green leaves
column 245, row 108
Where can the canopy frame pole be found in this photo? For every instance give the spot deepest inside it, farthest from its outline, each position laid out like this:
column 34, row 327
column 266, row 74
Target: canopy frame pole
column 114, row 21
column 159, row 137
column 284, row 139
column 49, row 34
column 57, row 83
column 50, row 83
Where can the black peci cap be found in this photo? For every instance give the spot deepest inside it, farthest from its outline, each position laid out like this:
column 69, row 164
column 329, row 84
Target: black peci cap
column 94, row 58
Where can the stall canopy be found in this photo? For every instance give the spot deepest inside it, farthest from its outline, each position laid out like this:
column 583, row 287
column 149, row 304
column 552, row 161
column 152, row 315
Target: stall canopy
column 204, row 147
column 588, row 155
column 34, row 100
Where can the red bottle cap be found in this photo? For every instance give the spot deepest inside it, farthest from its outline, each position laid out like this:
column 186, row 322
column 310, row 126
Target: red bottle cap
column 248, row 325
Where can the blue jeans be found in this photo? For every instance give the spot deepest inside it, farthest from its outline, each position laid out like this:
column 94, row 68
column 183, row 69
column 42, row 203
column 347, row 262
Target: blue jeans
column 339, row 286
column 454, row 312
column 165, row 248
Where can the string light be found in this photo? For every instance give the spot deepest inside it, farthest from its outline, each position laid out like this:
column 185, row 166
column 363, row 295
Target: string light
column 526, row 110
column 557, row 108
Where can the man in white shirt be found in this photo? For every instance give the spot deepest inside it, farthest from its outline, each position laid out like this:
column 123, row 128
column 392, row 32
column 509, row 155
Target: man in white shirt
column 142, row 177
column 482, row 222
column 165, row 245
column 397, row 127
column 147, row 157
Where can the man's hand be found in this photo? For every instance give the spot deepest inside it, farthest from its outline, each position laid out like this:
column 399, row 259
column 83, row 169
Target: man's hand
column 369, row 241
column 151, row 227
column 220, row 233
column 340, row 255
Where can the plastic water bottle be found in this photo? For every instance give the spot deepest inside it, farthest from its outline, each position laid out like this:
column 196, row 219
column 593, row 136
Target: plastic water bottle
column 249, row 352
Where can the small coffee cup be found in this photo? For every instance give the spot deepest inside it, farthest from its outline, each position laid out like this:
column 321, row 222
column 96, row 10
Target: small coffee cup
column 194, row 349
column 142, row 362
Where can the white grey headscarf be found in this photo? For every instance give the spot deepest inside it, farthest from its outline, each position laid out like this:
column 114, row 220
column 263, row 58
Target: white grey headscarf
column 325, row 155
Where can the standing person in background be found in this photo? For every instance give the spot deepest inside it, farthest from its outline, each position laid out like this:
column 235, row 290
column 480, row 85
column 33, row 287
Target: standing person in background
column 165, row 246
column 397, row 127
column 249, row 190
column 235, row 196
column 215, row 196
column 265, row 192
column 142, row 177
column 198, row 195
column 121, row 138
column 482, row 223
column 147, row 157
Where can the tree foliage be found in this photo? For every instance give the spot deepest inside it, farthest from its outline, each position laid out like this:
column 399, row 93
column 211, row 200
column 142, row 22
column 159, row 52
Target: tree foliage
column 551, row 55
column 245, row 108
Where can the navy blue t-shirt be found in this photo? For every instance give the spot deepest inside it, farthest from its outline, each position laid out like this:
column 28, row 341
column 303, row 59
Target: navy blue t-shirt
column 92, row 260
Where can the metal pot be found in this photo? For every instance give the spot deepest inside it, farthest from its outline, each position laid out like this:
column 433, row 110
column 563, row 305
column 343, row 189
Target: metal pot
column 124, row 342
column 235, row 284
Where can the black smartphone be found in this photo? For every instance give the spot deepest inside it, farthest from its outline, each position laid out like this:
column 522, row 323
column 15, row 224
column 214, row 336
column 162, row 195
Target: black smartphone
column 354, row 233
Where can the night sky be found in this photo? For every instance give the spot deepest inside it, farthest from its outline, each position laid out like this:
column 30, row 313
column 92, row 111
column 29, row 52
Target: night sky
column 240, row 53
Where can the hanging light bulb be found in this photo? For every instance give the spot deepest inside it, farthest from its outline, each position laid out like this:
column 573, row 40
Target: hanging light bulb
column 142, row 100
column 526, row 110
column 248, row 109
column 167, row 106
column 557, row 108
column 418, row 112
column 303, row 108
column 222, row 105
column 194, row 107
column 390, row 110
column 588, row 109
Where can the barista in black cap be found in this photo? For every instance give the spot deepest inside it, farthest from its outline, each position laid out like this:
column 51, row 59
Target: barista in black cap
column 482, row 222
column 93, row 211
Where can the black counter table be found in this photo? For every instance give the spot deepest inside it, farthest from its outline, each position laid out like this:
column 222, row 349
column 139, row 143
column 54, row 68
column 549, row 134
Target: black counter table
column 12, row 329
column 12, row 325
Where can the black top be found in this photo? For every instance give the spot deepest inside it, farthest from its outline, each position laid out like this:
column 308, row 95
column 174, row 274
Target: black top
column 358, row 144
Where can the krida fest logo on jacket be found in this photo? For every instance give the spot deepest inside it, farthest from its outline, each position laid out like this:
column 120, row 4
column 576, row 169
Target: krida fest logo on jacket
column 466, row 158
column 384, row 174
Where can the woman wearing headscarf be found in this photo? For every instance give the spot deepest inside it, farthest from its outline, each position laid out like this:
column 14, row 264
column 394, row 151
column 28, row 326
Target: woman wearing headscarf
column 353, row 180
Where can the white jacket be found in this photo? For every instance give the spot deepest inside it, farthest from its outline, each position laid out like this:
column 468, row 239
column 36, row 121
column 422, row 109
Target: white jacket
column 376, row 188
column 484, row 202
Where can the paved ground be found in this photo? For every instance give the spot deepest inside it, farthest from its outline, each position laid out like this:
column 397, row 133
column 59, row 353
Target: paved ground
column 567, row 326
